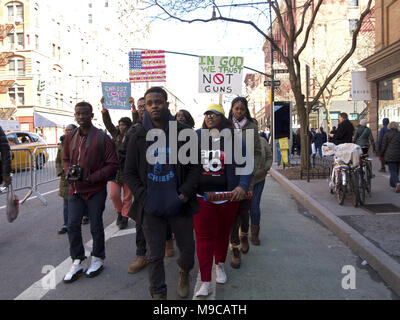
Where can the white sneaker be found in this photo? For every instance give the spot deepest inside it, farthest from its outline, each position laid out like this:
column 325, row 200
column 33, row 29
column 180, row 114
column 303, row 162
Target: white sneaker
column 205, row 289
column 220, row 273
column 75, row 272
column 96, row 266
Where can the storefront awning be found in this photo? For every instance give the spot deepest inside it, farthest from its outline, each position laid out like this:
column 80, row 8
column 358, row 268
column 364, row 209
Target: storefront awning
column 43, row 119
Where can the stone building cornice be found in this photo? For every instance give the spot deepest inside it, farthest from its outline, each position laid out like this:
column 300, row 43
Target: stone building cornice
column 383, row 62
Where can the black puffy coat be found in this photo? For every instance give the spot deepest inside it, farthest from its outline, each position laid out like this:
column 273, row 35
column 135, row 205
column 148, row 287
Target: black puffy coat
column 390, row 150
column 5, row 160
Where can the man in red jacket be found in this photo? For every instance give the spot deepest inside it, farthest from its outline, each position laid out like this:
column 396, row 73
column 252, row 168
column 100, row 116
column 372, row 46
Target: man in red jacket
column 90, row 160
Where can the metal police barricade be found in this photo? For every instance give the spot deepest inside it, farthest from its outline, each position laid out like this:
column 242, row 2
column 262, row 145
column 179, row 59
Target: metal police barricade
column 22, row 169
column 44, row 169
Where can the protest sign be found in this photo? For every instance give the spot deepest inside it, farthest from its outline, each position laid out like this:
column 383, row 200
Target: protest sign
column 220, row 74
column 116, row 95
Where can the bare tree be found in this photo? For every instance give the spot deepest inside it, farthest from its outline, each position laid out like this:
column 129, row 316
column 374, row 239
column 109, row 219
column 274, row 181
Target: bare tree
column 295, row 24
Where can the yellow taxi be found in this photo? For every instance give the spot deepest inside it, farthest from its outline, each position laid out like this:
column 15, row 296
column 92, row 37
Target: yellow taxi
column 21, row 158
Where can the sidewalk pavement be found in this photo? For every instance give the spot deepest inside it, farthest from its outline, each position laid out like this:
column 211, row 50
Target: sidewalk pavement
column 375, row 237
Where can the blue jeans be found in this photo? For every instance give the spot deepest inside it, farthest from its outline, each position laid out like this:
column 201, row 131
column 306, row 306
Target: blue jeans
column 278, row 152
column 95, row 205
column 255, row 211
column 394, row 173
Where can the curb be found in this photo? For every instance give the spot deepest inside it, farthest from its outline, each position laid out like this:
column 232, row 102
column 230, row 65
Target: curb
column 381, row 262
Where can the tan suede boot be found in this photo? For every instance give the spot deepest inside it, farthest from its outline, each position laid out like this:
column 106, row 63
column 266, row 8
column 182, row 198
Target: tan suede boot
column 255, row 230
column 183, row 283
column 137, row 265
column 169, row 248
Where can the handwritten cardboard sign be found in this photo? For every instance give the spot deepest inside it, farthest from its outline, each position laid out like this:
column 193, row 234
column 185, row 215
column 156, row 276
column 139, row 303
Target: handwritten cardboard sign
column 220, row 75
column 116, row 95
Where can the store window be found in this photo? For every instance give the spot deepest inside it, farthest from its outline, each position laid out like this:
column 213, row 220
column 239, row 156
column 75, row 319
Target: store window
column 389, row 99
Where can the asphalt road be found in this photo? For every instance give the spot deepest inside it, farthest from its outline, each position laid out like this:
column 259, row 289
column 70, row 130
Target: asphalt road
column 298, row 259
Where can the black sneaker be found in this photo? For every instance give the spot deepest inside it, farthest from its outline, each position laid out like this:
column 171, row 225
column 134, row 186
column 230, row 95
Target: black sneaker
column 119, row 218
column 85, row 220
column 63, row 230
column 124, row 223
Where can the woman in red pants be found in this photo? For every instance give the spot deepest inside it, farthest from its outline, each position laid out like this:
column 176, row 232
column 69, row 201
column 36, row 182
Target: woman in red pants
column 214, row 221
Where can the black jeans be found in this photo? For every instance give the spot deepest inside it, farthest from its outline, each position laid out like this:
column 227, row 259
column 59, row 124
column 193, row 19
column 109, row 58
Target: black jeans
column 141, row 240
column 155, row 231
column 76, row 209
column 241, row 220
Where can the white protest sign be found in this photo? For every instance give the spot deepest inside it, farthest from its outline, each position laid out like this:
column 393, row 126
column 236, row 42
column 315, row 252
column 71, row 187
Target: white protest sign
column 220, row 75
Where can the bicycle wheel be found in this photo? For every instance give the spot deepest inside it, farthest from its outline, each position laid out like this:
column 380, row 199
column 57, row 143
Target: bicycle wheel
column 361, row 186
column 354, row 176
column 340, row 189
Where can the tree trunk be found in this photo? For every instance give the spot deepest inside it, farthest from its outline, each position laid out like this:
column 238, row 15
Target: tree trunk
column 302, row 114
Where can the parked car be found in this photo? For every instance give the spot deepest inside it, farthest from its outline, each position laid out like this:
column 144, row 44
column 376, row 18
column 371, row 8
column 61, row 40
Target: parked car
column 26, row 140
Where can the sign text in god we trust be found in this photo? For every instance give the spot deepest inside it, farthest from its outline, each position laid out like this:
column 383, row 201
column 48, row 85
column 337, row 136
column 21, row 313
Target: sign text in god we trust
column 220, row 74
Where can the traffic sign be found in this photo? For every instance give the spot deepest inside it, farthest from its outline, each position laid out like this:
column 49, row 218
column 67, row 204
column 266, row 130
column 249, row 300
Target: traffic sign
column 269, row 83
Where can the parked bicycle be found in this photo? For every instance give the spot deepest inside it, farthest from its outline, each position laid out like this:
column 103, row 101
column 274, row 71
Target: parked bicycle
column 345, row 180
column 346, row 172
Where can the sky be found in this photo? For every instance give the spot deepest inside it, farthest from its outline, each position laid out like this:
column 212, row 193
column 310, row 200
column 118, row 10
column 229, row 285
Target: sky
column 214, row 39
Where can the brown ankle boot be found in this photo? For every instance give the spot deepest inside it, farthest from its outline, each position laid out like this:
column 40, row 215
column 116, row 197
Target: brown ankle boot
column 255, row 230
column 169, row 248
column 137, row 265
column 244, row 242
column 235, row 263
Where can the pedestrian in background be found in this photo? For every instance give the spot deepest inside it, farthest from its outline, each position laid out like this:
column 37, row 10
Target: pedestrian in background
column 391, row 154
column 364, row 138
column 345, row 130
column 89, row 161
column 214, row 221
column 163, row 193
column 257, row 185
column 239, row 114
column 141, row 261
column 185, row 117
column 382, row 133
column 296, row 145
column 319, row 139
column 5, row 160
column 118, row 188
column 332, row 134
column 63, row 185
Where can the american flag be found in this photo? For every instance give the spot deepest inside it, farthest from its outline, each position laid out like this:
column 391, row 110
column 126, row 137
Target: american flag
column 147, row 66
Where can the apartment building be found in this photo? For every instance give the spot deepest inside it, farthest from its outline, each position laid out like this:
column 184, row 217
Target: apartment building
column 54, row 54
column 383, row 66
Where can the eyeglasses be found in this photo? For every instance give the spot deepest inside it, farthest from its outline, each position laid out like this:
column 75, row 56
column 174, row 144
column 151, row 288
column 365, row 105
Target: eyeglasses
column 211, row 115
column 141, row 106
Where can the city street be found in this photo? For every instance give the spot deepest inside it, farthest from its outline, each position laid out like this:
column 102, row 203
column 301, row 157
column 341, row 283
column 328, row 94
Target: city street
column 298, row 258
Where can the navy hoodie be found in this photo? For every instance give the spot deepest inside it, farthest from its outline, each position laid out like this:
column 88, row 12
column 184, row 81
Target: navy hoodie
column 162, row 184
